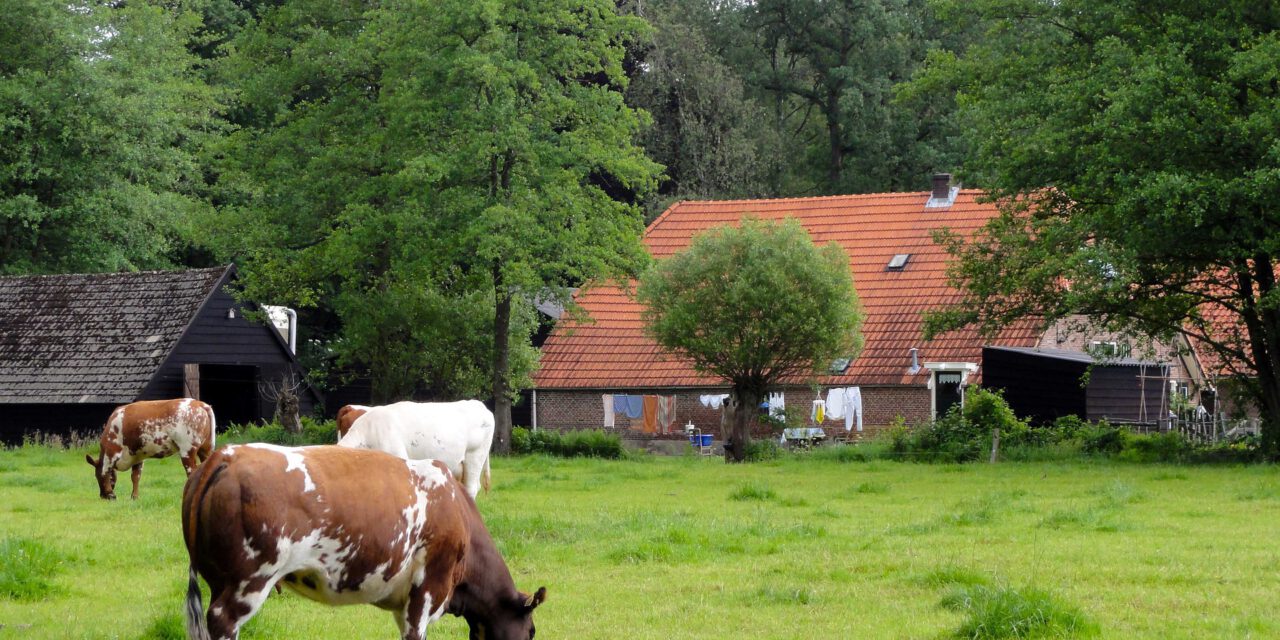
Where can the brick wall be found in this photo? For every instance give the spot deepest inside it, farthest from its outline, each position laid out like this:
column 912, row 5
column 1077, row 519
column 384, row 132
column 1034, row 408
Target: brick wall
column 567, row 410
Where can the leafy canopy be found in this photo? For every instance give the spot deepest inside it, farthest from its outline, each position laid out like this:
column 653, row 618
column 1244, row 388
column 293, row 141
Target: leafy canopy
column 1135, row 145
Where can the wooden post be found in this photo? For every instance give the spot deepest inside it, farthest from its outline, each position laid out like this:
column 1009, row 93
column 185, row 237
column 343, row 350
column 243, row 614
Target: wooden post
column 191, row 380
column 995, row 444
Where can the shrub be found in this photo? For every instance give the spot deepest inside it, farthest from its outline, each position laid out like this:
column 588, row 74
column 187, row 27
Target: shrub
column 1156, row 447
column 568, row 444
column 761, row 450
column 963, row 434
column 1103, row 438
column 313, row 432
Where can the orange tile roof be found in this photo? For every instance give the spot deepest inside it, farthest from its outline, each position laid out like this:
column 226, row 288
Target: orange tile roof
column 613, row 353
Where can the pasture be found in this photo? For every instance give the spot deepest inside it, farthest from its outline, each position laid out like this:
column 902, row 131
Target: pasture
column 656, row 548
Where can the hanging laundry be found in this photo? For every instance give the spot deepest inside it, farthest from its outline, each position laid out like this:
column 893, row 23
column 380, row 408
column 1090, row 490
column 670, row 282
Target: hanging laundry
column 666, row 413
column 635, row 406
column 777, row 404
column 819, row 412
column 853, row 405
column 713, row 400
column 649, row 412
column 619, row 404
column 608, row 410
column 836, row 403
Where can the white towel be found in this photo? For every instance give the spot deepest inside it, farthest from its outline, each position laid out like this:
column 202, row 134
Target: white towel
column 853, row 402
column 608, row 410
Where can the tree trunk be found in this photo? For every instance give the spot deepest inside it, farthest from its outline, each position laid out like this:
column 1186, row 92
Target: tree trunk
column 744, row 405
column 501, row 363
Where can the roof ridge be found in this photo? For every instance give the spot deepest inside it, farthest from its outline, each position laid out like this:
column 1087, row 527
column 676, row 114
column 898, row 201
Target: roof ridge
column 119, row 273
column 879, row 194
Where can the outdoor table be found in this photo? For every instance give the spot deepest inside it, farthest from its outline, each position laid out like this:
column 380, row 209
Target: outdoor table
column 805, row 436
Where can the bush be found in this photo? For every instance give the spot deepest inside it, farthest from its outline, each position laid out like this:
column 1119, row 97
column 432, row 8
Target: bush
column 313, row 432
column 963, row 434
column 568, row 444
column 761, row 450
column 1103, row 438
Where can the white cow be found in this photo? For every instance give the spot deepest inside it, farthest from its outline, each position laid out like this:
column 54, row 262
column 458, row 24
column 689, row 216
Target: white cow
column 458, row 434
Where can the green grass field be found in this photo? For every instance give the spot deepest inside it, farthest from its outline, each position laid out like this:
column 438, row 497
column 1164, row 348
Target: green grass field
column 691, row 548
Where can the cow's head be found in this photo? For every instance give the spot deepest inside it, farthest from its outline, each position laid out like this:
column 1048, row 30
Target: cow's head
column 513, row 619
column 106, row 473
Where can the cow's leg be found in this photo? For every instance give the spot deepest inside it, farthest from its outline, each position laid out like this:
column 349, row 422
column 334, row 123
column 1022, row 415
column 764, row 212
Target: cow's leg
column 472, row 470
column 191, row 461
column 136, row 476
column 415, row 617
column 231, row 608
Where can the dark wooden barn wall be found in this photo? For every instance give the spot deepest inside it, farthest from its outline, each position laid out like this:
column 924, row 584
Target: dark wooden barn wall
column 1040, row 388
column 18, row 421
column 1115, row 393
column 213, row 338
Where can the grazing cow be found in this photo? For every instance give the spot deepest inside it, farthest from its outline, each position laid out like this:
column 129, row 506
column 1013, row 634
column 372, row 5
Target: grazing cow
column 343, row 526
column 458, row 434
column 152, row 429
column 347, row 416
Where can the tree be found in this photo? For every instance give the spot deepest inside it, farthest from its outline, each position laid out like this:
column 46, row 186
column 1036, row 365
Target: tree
column 713, row 139
column 755, row 305
column 102, row 112
column 829, row 69
column 419, row 191
column 1133, row 146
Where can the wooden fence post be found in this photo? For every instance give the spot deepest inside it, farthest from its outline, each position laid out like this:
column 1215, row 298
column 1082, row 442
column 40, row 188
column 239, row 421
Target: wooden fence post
column 995, row 444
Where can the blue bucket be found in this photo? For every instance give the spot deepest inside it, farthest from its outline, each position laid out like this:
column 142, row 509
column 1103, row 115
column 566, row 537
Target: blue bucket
column 706, row 439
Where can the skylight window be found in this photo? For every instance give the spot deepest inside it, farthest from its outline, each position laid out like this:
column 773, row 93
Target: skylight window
column 898, row 262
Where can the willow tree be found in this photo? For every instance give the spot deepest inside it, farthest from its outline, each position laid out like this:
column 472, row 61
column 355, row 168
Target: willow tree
column 756, row 305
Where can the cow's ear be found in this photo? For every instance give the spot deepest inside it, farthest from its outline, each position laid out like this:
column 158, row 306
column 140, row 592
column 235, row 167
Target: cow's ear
column 88, row 458
column 536, row 599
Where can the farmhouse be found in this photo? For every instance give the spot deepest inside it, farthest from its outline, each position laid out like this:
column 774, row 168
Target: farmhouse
column 72, row 347
column 899, row 272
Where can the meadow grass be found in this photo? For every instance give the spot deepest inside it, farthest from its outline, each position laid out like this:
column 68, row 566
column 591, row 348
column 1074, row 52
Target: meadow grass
column 814, row 546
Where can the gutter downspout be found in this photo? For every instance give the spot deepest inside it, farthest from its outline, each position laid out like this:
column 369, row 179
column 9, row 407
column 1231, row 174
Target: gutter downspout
column 293, row 330
column 535, row 410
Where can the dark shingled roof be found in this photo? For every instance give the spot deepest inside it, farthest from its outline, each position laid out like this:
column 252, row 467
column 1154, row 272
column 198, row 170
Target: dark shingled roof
column 96, row 337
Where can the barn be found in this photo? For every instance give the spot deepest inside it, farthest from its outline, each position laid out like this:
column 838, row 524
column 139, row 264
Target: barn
column 74, row 346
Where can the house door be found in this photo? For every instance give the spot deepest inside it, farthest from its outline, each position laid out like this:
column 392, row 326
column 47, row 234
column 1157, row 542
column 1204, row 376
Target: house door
column 946, row 391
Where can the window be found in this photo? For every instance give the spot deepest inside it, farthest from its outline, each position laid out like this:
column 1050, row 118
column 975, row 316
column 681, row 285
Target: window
column 898, row 262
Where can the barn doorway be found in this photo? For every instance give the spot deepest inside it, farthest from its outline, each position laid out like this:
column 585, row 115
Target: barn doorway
column 232, row 391
column 946, row 384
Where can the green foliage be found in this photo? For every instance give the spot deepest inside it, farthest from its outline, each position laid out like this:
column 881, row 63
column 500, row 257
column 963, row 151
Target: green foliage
column 26, row 567
column 422, row 196
column 752, row 305
column 567, row 444
column 313, row 432
column 997, row 612
column 762, row 450
column 98, row 170
column 962, row 434
column 1174, row 234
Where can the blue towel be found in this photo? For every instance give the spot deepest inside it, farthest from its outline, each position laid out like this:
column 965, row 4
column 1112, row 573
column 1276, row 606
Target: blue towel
column 620, row 404
column 635, row 406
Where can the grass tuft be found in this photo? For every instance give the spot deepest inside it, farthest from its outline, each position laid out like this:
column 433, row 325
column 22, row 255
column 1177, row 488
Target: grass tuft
column 26, row 567
column 753, row 491
column 995, row 613
column 871, row 488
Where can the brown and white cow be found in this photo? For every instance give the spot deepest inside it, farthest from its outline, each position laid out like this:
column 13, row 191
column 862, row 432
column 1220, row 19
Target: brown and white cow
column 347, row 416
column 343, row 526
column 152, row 429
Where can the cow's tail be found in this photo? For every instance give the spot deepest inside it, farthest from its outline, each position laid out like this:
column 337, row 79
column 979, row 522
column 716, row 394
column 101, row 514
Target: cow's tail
column 213, row 429
column 196, row 629
column 484, row 476
column 197, row 489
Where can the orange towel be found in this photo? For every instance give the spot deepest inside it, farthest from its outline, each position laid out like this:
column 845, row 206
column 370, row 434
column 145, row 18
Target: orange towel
column 650, row 415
